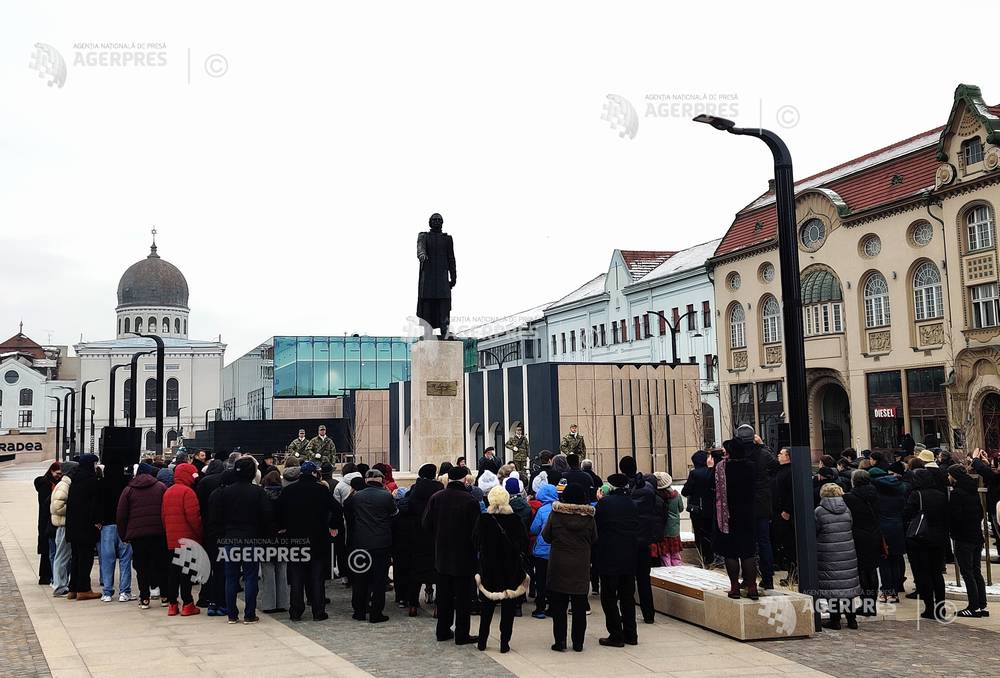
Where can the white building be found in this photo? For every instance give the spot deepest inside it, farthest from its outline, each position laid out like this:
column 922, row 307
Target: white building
column 153, row 299
column 607, row 320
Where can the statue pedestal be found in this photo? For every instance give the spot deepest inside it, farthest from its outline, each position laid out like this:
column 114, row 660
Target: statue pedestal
column 437, row 402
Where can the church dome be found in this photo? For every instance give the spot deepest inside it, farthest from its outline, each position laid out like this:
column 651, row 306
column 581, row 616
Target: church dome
column 153, row 282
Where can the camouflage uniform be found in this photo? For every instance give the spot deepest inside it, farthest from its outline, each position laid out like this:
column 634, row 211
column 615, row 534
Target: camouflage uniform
column 518, row 446
column 297, row 448
column 326, row 450
column 573, row 443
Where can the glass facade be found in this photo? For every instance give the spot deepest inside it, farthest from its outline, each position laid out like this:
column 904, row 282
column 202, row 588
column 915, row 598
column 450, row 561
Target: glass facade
column 331, row 366
column 885, row 409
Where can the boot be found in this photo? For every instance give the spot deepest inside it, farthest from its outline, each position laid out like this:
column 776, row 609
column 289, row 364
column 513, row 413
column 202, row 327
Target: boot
column 88, row 595
column 733, row 570
column 190, row 609
column 172, row 610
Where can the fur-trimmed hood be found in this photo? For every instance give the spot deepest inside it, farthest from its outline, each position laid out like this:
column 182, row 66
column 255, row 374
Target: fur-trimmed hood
column 521, row 590
column 573, row 509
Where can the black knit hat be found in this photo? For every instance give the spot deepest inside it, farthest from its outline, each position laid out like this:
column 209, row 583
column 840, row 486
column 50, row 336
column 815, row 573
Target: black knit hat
column 457, row 473
column 627, row 466
column 574, row 494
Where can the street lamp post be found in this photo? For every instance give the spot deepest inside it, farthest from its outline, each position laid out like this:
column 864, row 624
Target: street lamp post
column 179, row 421
column 795, row 358
column 675, row 329
column 92, row 407
column 133, row 388
column 58, row 412
column 500, row 360
column 70, row 404
column 160, row 354
column 83, row 409
column 111, row 394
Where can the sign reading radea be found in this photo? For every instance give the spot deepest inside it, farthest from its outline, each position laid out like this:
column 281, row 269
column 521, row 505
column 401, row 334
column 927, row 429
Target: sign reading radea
column 21, row 447
column 26, row 443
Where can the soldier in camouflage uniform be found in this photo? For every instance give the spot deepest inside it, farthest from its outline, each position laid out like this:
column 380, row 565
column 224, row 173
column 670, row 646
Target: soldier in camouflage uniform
column 321, row 449
column 519, row 450
column 297, row 448
column 572, row 442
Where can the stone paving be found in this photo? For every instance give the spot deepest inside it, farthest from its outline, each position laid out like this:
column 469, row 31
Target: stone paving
column 20, row 652
column 896, row 648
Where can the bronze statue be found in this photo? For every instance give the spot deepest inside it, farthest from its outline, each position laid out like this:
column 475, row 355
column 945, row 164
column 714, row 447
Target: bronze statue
column 436, row 254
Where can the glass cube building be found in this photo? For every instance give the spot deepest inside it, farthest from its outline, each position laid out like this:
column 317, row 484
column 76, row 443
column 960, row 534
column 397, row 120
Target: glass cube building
column 333, row 366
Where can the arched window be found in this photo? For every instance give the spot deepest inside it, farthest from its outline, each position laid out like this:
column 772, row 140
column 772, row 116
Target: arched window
column 138, row 325
column 171, row 437
column 177, row 325
column 737, row 327
column 771, row 321
column 151, row 397
column 876, row 301
column 127, row 397
column 119, row 326
column 151, row 440
column 128, row 323
column 166, row 325
column 172, row 397
column 185, row 326
column 979, row 226
column 927, row 301
column 151, row 325
column 26, row 397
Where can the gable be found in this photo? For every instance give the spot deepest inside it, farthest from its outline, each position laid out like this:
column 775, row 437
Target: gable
column 970, row 116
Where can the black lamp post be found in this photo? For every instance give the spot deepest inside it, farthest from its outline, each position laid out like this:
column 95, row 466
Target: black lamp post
column 58, row 412
column 500, row 360
column 795, row 357
column 179, row 420
column 111, row 394
column 133, row 388
column 70, row 405
column 92, row 436
column 160, row 351
column 675, row 329
column 83, row 409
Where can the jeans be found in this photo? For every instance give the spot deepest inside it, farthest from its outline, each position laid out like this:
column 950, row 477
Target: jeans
column 765, row 556
column 890, row 571
column 618, row 603
column 968, row 556
column 251, row 575
column 60, row 563
column 274, row 578
column 110, row 550
column 558, row 605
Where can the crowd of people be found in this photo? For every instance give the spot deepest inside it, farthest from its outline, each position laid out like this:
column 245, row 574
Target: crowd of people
column 474, row 542
column 550, row 532
column 873, row 512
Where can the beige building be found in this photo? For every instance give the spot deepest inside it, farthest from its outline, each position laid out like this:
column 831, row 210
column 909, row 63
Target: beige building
column 901, row 310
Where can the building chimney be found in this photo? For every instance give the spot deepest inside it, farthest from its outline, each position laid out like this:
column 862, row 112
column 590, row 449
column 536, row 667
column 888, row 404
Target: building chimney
column 770, row 185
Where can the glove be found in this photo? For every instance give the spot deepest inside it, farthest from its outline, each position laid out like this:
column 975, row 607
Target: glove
column 515, row 449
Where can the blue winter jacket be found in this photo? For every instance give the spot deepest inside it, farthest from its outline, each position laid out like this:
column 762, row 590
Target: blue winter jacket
column 546, row 495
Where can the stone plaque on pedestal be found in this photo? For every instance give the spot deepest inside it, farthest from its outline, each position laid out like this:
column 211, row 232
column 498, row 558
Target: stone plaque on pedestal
column 437, row 402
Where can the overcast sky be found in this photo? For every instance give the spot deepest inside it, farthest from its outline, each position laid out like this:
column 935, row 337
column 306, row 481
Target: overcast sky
column 288, row 179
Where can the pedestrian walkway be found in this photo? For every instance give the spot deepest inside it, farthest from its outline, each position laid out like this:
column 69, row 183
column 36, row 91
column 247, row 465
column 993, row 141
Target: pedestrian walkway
column 92, row 638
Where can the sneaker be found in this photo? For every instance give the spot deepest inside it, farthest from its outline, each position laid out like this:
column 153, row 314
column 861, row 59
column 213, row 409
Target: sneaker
column 106, row 598
column 125, row 598
column 60, row 592
column 233, row 621
column 154, row 592
column 190, row 609
column 213, row 611
column 143, row 604
column 251, row 620
column 172, row 610
column 538, row 614
column 163, row 601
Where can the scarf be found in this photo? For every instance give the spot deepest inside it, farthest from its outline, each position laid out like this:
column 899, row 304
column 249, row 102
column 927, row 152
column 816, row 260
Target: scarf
column 721, row 500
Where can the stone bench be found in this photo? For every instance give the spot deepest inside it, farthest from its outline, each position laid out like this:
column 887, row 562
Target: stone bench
column 699, row 597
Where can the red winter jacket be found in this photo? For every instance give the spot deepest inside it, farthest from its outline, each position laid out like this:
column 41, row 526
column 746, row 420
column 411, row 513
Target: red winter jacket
column 181, row 513
column 140, row 508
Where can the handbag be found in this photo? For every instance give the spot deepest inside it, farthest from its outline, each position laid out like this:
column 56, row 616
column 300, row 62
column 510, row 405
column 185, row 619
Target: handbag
column 695, row 510
column 917, row 529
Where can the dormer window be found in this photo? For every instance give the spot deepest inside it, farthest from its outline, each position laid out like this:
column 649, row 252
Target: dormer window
column 972, row 151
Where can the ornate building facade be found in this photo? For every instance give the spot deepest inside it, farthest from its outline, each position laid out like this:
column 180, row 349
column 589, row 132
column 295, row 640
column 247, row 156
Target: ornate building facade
column 901, row 310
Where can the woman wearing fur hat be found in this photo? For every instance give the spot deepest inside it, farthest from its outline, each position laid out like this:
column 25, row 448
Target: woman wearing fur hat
column 501, row 542
column 570, row 531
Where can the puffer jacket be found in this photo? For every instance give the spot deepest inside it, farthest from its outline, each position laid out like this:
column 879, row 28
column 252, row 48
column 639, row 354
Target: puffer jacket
column 837, row 563
column 140, row 508
column 181, row 513
column 926, row 498
column 546, row 494
column 57, row 505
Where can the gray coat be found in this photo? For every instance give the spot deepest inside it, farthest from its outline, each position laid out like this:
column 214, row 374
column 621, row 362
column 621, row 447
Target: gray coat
column 837, row 561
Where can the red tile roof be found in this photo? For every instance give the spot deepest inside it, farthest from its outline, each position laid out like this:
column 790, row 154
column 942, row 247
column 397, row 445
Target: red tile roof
column 21, row 344
column 641, row 262
column 863, row 183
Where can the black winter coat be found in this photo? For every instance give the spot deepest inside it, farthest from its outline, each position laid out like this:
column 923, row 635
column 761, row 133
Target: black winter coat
column 965, row 512
column 741, row 541
column 43, row 486
column 501, row 543
column 865, row 523
column 699, row 489
column 416, row 543
column 306, row 510
column 617, row 520
column 82, row 509
column 933, row 503
column 570, row 531
column 241, row 511
column 991, row 480
column 782, row 497
column 765, row 464
column 450, row 517
column 891, row 494
column 652, row 516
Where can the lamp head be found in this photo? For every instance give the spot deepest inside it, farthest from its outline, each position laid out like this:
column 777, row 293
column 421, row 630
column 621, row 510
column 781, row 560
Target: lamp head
column 716, row 122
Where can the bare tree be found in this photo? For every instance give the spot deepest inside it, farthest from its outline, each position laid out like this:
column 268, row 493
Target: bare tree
column 594, row 422
column 357, row 426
